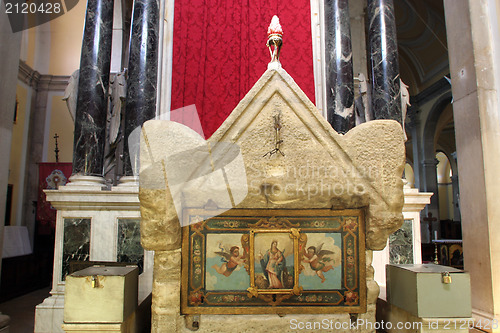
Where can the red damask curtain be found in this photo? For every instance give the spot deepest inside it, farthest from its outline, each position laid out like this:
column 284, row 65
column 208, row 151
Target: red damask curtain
column 50, row 177
column 219, row 52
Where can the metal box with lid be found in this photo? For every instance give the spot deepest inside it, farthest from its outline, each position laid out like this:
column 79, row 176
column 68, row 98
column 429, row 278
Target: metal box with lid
column 429, row 290
column 101, row 294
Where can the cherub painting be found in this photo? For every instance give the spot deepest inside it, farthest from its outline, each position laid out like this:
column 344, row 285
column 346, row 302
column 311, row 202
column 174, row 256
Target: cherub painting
column 230, row 259
column 321, row 258
column 226, row 263
column 318, row 260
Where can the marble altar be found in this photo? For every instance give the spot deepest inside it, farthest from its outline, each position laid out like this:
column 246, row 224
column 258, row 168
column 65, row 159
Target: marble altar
column 93, row 225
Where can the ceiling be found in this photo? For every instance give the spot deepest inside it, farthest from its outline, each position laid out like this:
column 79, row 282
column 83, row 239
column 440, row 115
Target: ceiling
column 423, row 53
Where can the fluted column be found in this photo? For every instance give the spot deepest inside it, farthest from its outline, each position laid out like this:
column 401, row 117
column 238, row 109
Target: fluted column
column 384, row 64
column 142, row 77
column 339, row 72
column 90, row 118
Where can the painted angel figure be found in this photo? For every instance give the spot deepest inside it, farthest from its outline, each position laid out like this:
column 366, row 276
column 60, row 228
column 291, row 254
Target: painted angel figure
column 318, row 260
column 231, row 260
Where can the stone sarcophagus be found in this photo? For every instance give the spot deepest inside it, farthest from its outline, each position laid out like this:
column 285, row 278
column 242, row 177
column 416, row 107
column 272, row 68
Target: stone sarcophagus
column 275, row 214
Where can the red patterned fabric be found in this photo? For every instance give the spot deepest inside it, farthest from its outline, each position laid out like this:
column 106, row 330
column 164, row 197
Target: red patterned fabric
column 50, row 176
column 219, row 52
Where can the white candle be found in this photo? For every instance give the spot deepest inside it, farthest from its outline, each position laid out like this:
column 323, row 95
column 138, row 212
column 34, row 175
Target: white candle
column 435, row 234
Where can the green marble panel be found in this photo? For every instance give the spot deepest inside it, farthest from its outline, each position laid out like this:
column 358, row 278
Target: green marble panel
column 401, row 244
column 76, row 243
column 129, row 249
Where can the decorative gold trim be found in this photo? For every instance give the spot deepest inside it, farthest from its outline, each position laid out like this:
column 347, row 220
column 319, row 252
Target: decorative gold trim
column 274, row 223
column 294, row 234
column 275, row 297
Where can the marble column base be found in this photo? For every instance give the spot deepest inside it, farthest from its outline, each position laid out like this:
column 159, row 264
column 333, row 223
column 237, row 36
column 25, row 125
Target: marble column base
column 82, row 183
column 49, row 314
column 128, row 182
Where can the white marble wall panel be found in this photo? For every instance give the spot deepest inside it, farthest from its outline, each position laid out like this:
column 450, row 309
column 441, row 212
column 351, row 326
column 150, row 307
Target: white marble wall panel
column 105, row 209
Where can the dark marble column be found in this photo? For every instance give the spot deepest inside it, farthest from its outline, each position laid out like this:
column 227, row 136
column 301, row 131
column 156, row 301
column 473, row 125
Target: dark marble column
column 384, row 64
column 142, row 75
column 91, row 109
column 339, row 72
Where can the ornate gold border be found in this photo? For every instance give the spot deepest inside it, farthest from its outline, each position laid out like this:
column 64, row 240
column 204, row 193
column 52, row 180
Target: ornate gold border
column 294, row 234
column 276, row 309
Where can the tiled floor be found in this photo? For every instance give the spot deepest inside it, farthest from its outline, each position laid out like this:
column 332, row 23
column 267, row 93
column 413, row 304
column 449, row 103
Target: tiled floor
column 22, row 310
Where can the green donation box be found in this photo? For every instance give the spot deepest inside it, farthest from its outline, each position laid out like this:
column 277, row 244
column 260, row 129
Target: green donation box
column 429, row 290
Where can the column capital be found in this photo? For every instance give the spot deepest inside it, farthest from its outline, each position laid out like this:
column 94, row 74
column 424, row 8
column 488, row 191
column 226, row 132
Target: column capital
column 413, row 121
column 430, row 162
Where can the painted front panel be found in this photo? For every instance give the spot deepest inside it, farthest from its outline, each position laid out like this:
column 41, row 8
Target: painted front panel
column 271, row 261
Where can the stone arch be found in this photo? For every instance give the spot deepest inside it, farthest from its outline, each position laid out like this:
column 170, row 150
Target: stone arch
column 431, row 124
column 451, row 158
column 429, row 161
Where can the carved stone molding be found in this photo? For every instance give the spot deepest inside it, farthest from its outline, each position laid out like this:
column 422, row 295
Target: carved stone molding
column 34, row 79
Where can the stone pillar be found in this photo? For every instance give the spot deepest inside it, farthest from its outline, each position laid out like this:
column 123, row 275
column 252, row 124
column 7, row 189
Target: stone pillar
column 456, row 198
column 431, row 186
column 90, row 118
column 414, row 128
column 339, row 72
column 9, row 67
column 474, row 45
column 119, row 34
column 166, row 36
column 384, row 64
column 166, row 288
column 142, row 78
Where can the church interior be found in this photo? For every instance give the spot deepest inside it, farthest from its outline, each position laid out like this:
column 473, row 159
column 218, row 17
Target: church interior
column 73, row 196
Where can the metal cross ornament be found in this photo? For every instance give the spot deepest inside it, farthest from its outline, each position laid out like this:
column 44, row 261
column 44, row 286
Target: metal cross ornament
column 277, row 137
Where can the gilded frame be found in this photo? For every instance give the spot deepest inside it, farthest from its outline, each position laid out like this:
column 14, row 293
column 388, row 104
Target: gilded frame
column 248, row 223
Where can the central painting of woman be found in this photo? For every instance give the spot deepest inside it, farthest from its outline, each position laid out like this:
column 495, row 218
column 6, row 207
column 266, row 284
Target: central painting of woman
column 274, row 261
